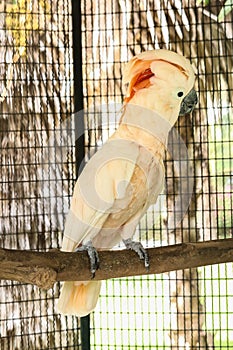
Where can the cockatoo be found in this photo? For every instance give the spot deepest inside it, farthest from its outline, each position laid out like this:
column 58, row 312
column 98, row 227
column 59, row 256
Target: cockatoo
column 126, row 175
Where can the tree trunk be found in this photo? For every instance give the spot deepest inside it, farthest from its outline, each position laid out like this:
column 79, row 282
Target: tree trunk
column 187, row 320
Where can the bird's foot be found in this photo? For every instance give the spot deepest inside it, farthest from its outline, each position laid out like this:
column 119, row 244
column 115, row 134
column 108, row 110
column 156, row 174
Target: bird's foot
column 92, row 254
column 139, row 249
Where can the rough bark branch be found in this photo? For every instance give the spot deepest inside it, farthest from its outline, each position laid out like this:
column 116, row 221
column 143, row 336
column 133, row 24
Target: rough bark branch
column 45, row 268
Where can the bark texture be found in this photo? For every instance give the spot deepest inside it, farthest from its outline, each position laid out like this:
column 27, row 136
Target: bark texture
column 45, row 268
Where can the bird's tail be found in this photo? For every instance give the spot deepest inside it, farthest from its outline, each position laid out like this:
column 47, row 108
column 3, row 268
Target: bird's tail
column 78, row 298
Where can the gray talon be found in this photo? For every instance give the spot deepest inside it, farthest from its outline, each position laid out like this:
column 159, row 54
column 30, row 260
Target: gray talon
column 92, row 254
column 139, row 249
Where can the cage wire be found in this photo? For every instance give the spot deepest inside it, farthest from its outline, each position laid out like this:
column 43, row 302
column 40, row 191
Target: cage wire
column 190, row 309
column 37, row 161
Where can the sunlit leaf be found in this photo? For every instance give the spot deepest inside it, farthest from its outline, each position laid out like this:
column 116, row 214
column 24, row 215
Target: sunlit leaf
column 227, row 8
column 205, row 2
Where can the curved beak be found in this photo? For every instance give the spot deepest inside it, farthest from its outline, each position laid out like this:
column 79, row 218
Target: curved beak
column 189, row 102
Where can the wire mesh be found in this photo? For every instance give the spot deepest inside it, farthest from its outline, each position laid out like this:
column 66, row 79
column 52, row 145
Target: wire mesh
column 190, row 309
column 187, row 309
column 37, row 161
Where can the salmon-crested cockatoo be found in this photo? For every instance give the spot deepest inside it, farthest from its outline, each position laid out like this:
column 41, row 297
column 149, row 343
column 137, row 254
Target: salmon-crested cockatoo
column 126, row 175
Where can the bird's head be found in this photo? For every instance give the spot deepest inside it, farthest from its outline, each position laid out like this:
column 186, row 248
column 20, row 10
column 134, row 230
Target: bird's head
column 159, row 80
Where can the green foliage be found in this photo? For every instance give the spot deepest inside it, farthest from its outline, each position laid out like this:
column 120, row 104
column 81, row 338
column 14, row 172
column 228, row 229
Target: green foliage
column 216, row 285
column 226, row 8
column 221, row 170
column 205, row 2
column 21, row 20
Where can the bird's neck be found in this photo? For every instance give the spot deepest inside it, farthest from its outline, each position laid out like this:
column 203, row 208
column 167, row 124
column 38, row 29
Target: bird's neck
column 156, row 103
column 143, row 126
column 146, row 121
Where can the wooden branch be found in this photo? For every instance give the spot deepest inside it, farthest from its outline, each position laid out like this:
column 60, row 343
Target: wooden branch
column 45, row 268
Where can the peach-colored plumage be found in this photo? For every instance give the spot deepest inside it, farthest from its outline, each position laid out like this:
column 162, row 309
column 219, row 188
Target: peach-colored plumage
column 126, row 175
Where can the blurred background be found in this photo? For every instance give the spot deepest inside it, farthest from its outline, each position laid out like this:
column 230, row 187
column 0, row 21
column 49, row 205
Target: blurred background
column 59, row 57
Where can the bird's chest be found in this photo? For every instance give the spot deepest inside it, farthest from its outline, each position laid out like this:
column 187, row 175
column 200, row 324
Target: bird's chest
column 142, row 190
column 148, row 178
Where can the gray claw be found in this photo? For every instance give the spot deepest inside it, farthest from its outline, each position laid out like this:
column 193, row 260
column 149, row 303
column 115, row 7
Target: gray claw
column 92, row 254
column 139, row 249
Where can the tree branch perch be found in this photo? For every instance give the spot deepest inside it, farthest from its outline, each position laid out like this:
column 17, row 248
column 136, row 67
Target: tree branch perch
column 45, row 268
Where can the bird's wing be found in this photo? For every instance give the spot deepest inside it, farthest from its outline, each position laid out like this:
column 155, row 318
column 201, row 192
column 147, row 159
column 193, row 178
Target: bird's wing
column 100, row 189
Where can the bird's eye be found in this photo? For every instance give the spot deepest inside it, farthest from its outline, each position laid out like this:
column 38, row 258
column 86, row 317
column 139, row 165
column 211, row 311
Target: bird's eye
column 180, row 94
